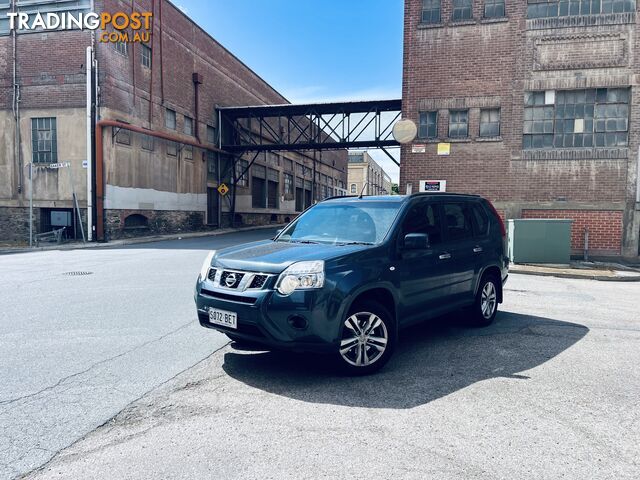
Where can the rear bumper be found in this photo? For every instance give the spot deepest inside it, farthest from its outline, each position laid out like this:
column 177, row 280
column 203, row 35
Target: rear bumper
column 267, row 318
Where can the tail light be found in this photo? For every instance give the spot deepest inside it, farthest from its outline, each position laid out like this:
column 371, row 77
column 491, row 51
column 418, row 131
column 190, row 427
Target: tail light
column 495, row 212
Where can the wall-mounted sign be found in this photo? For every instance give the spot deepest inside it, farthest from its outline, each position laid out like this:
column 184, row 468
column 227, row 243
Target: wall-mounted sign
column 444, row 148
column 85, row 164
column 59, row 165
column 433, row 185
column 419, row 148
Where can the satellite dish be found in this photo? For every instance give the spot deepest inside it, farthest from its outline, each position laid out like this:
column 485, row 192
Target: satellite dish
column 404, row 131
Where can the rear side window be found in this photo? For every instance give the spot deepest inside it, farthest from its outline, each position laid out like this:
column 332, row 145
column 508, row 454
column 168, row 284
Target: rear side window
column 457, row 221
column 424, row 218
column 481, row 219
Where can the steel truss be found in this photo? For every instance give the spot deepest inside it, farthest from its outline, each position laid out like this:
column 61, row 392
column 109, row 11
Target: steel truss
column 323, row 126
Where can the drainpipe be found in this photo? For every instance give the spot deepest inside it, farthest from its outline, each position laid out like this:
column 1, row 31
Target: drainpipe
column 100, row 181
column 197, row 80
column 638, row 178
column 89, row 68
column 153, row 10
column 16, row 105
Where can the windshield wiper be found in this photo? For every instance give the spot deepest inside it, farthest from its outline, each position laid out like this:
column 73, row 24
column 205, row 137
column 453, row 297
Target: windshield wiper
column 355, row 243
column 304, row 241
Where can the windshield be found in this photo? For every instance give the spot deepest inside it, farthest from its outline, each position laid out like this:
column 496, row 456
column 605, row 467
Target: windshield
column 362, row 223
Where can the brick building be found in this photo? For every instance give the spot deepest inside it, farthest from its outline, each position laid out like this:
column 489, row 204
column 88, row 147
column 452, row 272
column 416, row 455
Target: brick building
column 540, row 103
column 365, row 175
column 161, row 175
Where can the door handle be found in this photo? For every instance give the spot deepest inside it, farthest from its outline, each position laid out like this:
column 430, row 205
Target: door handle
column 445, row 256
column 477, row 249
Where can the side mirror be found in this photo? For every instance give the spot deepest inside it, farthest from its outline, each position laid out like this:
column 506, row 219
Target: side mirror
column 416, row 241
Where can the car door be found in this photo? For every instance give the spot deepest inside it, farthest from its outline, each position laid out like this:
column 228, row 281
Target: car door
column 482, row 246
column 459, row 250
column 422, row 274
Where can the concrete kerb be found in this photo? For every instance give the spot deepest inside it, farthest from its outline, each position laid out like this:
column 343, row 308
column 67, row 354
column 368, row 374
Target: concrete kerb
column 137, row 240
column 574, row 273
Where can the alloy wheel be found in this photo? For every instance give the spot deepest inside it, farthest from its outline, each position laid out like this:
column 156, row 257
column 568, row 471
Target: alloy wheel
column 364, row 339
column 488, row 300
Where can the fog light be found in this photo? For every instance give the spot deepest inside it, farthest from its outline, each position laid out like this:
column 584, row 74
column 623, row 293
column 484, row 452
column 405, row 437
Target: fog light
column 298, row 322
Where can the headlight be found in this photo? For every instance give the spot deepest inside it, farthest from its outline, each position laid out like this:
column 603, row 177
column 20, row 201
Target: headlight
column 301, row 276
column 206, row 265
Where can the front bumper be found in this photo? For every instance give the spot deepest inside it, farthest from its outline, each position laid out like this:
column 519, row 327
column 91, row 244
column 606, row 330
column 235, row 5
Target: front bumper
column 266, row 317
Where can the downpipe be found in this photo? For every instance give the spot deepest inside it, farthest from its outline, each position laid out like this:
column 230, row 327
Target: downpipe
column 16, row 105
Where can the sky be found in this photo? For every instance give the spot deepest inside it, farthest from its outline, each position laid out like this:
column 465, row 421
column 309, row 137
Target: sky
column 313, row 51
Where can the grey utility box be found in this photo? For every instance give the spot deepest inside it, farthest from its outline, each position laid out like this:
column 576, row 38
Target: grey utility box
column 540, row 240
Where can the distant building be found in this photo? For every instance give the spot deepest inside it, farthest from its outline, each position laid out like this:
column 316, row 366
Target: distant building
column 366, row 176
column 539, row 103
column 162, row 174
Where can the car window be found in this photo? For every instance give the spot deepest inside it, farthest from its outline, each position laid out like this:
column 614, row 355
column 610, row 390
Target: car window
column 423, row 218
column 481, row 218
column 457, row 221
column 332, row 223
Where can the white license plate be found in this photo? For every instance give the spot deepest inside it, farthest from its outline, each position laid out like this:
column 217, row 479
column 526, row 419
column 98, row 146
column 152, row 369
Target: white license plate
column 223, row 318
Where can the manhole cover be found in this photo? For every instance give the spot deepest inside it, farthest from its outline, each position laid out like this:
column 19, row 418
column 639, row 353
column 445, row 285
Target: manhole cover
column 77, row 274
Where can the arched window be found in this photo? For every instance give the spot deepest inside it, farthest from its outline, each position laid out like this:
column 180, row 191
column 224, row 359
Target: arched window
column 353, row 188
column 136, row 220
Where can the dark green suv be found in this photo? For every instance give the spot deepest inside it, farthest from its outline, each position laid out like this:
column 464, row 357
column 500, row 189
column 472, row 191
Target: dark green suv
column 350, row 272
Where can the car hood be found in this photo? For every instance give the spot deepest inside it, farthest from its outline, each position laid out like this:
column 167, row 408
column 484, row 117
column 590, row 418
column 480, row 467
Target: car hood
column 273, row 257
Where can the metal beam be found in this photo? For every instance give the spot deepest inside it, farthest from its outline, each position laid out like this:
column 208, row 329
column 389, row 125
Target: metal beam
column 322, row 126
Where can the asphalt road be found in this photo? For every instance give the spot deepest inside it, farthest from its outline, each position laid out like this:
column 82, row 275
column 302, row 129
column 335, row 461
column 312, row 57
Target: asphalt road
column 551, row 390
column 76, row 349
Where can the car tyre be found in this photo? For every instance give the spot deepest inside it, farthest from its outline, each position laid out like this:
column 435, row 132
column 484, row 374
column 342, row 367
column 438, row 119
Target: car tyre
column 368, row 338
column 485, row 307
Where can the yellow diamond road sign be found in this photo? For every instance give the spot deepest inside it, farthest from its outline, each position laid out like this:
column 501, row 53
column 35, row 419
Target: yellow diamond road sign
column 223, row 189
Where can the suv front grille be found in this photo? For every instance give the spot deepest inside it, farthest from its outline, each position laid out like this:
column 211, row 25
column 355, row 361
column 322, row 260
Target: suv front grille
column 231, row 279
column 212, row 274
column 237, row 280
column 258, row 281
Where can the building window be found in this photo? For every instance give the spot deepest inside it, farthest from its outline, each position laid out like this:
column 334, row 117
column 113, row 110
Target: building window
column 121, row 48
column 462, row 10
column 570, row 8
column 458, row 123
column 595, row 117
column 493, row 8
column 212, row 165
column 170, row 119
column 188, row 152
column 147, row 142
column 123, row 136
column 212, row 137
column 430, row 11
column 44, row 140
column 288, row 184
column 188, row 125
column 145, row 57
column 428, row 125
column 490, row 122
column 353, row 188
column 242, row 174
column 172, row 148
column 288, row 165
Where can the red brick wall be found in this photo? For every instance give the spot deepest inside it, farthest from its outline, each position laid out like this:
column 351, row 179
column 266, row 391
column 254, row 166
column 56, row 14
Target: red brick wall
column 50, row 69
column 605, row 228
column 483, row 64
